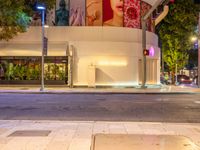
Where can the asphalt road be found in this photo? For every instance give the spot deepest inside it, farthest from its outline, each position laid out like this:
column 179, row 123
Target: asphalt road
column 184, row 108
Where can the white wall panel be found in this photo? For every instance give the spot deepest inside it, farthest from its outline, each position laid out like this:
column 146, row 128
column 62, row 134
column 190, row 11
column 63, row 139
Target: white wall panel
column 114, row 51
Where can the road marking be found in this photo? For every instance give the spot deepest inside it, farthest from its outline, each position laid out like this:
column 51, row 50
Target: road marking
column 162, row 99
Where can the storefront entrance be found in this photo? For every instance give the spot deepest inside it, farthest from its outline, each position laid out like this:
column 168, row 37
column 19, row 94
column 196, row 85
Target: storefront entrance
column 27, row 70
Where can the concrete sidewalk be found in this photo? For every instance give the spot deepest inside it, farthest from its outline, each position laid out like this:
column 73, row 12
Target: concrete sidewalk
column 64, row 135
column 164, row 89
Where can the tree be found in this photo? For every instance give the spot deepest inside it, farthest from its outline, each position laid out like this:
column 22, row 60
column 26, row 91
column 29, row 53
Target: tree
column 175, row 32
column 15, row 16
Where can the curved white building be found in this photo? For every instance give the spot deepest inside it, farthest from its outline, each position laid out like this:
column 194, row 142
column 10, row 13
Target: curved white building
column 97, row 56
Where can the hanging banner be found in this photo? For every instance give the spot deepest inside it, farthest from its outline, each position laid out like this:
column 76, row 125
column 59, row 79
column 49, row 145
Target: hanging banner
column 119, row 13
column 50, row 17
column 132, row 13
column 77, row 13
column 59, row 15
column 113, row 13
column 94, row 13
column 62, row 13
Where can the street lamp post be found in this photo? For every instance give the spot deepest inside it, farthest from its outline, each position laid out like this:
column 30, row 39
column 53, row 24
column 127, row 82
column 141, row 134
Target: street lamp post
column 42, row 9
column 176, row 70
column 199, row 55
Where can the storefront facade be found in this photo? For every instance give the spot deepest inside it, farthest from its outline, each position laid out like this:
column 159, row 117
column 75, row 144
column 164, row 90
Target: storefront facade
column 115, row 53
column 83, row 56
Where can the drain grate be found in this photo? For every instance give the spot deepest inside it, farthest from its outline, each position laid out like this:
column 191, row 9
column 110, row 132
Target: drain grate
column 22, row 133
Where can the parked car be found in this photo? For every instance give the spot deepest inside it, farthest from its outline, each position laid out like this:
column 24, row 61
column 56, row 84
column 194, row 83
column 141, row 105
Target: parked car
column 184, row 79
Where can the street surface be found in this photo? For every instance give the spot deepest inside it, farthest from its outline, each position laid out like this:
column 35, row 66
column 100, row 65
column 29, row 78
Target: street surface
column 184, row 108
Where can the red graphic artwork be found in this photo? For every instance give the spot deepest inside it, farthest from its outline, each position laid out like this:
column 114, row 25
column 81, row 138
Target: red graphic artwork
column 113, row 13
column 107, row 11
column 132, row 13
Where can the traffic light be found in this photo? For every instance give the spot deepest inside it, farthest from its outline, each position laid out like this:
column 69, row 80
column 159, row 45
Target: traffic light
column 146, row 52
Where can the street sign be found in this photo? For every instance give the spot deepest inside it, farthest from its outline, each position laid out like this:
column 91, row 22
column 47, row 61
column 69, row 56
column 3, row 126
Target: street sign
column 45, row 46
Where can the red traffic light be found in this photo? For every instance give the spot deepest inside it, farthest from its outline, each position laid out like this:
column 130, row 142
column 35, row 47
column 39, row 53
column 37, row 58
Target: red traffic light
column 146, row 52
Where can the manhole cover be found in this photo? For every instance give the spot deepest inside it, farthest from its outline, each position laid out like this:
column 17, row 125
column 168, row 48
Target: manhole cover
column 141, row 142
column 30, row 133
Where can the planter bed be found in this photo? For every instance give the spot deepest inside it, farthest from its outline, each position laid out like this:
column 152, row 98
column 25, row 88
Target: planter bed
column 33, row 82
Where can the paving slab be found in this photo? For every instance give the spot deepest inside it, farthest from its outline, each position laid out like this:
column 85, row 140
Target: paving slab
column 141, row 142
column 77, row 135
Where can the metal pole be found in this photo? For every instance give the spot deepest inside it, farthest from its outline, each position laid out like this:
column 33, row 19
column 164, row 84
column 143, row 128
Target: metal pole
column 156, row 4
column 199, row 55
column 144, row 57
column 176, row 73
column 42, row 65
column 163, row 67
column 144, row 19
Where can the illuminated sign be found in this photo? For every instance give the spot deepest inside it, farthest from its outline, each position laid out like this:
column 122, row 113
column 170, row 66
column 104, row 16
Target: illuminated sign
column 151, row 51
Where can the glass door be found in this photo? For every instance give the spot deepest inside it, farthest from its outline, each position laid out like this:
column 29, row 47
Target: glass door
column 55, row 69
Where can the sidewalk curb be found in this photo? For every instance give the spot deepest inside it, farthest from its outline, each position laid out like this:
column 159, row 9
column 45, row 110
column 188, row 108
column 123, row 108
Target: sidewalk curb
column 92, row 92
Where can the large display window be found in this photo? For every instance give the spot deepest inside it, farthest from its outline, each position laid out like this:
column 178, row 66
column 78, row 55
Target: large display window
column 27, row 70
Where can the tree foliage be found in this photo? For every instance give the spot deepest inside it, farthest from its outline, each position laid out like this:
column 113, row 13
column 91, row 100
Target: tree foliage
column 175, row 32
column 15, row 16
